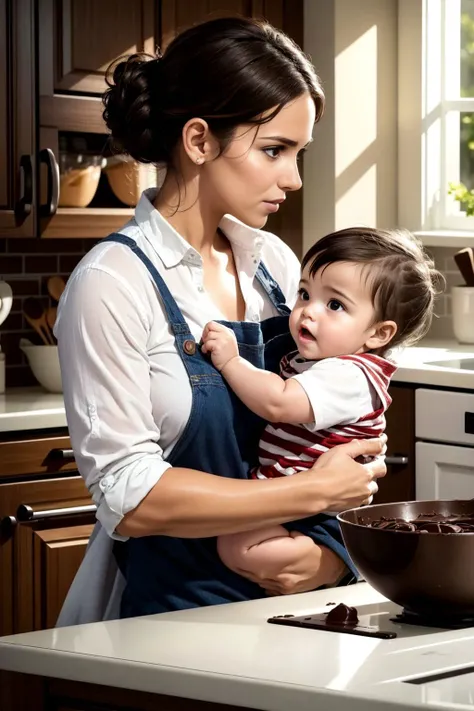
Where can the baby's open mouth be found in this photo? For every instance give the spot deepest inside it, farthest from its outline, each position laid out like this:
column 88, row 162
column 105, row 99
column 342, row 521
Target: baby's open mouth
column 305, row 334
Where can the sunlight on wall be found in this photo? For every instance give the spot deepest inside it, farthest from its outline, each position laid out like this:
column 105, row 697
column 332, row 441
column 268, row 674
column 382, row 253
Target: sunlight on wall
column 356, row 99
column 358, row 205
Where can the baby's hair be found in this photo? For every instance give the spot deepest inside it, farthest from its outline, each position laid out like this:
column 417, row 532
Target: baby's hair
column 402, row 277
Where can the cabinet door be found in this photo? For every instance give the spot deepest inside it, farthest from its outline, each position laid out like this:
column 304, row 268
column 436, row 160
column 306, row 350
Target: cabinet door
column 78, row 39
column 39, row 557
column 444, row 472
column 399, row 482
column 17, row 118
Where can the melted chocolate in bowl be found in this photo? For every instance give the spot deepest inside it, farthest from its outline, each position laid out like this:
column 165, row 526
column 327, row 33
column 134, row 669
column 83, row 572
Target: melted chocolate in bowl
column 419, row 554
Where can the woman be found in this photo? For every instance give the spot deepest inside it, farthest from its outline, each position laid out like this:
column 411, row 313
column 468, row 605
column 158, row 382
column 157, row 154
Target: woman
column 227, row 110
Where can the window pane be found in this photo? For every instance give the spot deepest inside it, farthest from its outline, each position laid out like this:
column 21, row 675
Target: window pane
column 466, row 145
column 467, row 47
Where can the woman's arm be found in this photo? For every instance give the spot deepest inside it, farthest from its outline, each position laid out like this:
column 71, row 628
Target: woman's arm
column 266, row 394
column 189, row 504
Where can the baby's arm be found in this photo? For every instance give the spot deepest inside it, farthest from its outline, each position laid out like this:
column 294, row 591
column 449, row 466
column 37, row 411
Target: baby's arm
column 265, row 393
column 265, row 552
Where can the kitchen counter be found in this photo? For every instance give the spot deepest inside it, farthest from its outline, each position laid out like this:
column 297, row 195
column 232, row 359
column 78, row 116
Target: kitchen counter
column 229, row 654
column 31, row 409
column 34, row 408
column 420, row 365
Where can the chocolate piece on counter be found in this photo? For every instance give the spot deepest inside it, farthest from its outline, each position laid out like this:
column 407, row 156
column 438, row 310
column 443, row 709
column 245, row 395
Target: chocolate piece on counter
column 342, row 615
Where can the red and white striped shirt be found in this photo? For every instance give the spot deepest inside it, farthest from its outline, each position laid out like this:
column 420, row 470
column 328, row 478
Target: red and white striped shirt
column 286, row 449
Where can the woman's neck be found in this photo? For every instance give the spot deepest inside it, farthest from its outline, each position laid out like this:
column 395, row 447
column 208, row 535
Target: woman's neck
column 182, row 207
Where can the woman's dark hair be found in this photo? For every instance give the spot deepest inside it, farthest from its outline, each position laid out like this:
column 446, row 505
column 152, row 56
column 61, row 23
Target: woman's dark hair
column 227, row 71
column 402, row 277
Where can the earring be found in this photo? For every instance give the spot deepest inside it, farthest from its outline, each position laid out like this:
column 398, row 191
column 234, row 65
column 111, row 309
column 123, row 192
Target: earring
column 199, row 160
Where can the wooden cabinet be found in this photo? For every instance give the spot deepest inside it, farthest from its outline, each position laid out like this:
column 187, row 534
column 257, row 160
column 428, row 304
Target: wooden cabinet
column 46, row 517
column 399, row 482
column 57, row 53
column 17, row 119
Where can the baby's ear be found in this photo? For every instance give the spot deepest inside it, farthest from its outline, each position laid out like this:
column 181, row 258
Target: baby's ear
column 382, row 334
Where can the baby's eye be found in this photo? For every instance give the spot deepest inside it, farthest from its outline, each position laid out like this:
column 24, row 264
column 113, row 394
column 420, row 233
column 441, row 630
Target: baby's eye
column 335, row 305
column 273, row 152
column 303, row 294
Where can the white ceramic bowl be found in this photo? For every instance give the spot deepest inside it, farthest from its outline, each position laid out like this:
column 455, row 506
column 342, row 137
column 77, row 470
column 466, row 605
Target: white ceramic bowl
column 463, row 313
column 44, row 362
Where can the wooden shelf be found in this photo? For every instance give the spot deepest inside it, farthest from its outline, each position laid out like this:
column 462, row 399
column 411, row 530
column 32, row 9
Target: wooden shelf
column 84, row 222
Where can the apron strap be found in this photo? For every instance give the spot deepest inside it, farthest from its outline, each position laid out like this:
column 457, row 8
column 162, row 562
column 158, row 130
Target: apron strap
column 272, row 289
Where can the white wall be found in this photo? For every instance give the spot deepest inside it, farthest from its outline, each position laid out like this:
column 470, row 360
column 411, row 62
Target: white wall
column 350, row 173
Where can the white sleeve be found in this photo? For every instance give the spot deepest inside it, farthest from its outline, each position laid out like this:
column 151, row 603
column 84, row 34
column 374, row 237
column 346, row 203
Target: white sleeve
column 102, row 336
column 338, row 391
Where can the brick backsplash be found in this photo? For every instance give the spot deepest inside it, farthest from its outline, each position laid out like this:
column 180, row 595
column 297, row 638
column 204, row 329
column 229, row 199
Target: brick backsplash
column 26, row 264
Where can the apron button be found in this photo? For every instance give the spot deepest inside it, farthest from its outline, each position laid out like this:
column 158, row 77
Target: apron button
column 189, row 347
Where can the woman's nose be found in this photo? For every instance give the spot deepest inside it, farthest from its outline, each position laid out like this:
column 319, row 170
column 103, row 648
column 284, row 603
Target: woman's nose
column 292, row 179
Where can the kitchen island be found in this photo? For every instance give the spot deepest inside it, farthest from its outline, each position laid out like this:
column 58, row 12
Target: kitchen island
column 222, row 657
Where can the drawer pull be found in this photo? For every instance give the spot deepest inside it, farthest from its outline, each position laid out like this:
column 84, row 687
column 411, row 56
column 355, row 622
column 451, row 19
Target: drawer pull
column 26, row 513
column 61, row 455
column 396, row 461
column 7, row 526
column 469, row 422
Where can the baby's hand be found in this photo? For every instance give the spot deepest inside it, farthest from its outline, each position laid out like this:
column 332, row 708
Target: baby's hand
column 220, row 342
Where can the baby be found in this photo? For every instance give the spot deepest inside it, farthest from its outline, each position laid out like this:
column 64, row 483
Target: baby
column 362, row 291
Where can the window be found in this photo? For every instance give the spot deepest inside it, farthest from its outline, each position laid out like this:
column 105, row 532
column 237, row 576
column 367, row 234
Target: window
column 436, row 113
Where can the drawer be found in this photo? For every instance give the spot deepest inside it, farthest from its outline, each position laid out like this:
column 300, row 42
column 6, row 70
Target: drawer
column 36, row 456
column 54, row 497
column 443, row 416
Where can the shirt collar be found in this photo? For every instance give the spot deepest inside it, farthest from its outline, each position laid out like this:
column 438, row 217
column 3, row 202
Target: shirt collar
column 173, row 249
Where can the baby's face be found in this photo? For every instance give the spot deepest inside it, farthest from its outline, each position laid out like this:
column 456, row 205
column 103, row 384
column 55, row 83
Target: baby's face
column 334, row 314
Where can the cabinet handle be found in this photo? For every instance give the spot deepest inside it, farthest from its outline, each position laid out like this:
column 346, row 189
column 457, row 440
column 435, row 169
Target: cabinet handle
column 61, row 455
column 396, row 461
column 7, row 526
column 26, row 513
column 47, row 156
column 23, row 206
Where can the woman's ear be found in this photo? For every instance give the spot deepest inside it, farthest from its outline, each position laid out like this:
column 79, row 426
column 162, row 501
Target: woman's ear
column 382, row 334
column 198, row 142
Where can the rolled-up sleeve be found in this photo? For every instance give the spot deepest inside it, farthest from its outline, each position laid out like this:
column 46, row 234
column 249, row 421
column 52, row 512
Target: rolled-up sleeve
column 102, row 333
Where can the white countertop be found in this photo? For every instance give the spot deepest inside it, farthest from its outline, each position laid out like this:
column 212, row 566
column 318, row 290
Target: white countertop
column 230, row 654
column 31, row 409
column 34, row 408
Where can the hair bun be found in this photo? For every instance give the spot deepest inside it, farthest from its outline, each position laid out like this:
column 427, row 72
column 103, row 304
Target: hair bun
column 129, row 109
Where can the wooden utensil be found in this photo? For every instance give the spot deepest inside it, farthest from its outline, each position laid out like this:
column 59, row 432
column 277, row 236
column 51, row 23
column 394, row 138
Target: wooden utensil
column 56, row 286
column 465, row 262
column 51, row 315
column 36, row 317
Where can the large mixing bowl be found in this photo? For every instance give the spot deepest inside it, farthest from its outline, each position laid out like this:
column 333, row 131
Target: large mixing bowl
column 426, row 573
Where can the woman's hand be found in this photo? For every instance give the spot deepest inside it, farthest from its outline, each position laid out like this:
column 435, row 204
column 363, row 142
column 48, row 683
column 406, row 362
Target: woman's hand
column 315, row 566
column 220, row 342
column 344, row 483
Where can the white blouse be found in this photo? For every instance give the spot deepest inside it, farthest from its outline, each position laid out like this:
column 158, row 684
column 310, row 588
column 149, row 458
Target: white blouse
column 126, row 391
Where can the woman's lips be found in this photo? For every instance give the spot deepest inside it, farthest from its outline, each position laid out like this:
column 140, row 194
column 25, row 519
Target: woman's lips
column 272, row 206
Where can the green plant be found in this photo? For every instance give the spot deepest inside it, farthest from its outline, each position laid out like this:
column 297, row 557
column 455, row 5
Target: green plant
column 464, row 196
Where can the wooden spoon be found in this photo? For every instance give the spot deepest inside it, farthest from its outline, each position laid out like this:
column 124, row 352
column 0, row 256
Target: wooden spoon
column 465, row 262
column 36, row 317
column 51, row 315
column 56, row 286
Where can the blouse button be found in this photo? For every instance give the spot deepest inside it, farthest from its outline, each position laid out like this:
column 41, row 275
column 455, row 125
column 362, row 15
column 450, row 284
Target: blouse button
column 189, row 347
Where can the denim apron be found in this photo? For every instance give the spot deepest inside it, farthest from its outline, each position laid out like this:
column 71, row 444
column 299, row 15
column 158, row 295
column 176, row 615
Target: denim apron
column 221, row 437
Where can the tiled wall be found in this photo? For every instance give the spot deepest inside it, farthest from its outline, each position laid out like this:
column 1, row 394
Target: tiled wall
column 442, row 325
column 26, row 265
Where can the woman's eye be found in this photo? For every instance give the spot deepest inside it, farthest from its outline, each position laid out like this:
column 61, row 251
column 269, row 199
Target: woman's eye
column 273, row 152
column 335, row 305
column 303, row 295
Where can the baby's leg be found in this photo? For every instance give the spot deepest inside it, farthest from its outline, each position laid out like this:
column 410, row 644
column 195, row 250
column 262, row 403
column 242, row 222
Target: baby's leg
column 265, row 551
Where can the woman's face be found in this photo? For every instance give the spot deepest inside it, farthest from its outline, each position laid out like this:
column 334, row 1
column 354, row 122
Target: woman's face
column 251, row 178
